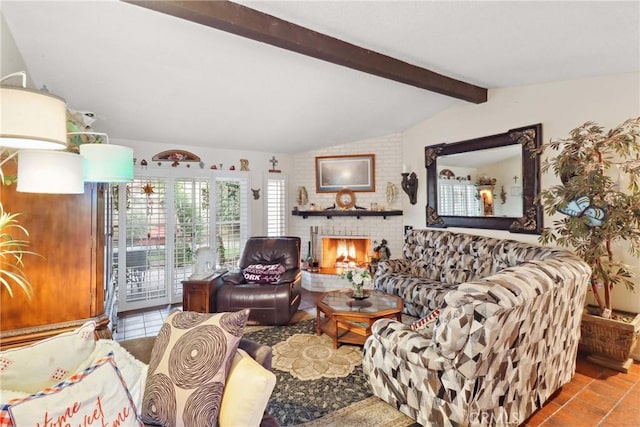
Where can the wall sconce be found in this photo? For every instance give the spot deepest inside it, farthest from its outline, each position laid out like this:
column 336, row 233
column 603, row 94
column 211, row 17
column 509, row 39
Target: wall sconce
column 503, row 195
column 410, row 186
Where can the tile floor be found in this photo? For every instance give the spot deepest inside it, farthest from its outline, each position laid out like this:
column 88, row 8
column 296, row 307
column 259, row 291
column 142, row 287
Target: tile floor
column 596, row 396
column 142, row 323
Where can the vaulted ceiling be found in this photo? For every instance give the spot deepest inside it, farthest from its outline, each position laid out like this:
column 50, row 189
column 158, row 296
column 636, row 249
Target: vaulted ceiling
column 154, row 77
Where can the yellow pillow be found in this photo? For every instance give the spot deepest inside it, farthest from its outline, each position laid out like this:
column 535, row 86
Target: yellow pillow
column 246, row 393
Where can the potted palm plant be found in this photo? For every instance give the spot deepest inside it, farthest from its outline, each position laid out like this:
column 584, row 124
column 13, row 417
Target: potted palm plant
column 12, row 251
column 598, row 195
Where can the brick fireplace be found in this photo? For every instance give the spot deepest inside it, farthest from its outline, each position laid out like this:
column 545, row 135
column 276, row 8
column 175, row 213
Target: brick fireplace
column 388, row 152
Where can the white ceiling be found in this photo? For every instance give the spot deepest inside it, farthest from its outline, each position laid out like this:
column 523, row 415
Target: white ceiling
column 153, row 77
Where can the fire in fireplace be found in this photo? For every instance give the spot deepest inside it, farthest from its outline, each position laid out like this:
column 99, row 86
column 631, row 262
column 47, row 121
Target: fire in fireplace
column 345, row 253
column 342, row 251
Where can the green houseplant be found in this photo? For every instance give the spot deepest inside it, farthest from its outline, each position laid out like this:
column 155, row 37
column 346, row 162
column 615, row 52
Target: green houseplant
column 12, row 251
column 600, row 211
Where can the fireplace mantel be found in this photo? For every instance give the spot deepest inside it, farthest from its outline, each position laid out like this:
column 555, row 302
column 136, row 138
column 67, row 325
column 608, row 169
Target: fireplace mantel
column 352, row 212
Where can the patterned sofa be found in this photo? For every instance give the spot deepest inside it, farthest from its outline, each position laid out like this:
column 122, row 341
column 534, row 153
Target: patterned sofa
column 505, row 340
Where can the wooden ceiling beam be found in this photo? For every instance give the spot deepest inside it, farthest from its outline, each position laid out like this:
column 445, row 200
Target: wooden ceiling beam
column 255, row 25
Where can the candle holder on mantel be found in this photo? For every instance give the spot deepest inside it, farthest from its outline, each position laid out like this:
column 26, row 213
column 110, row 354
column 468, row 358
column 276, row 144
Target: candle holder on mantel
column 410, row 186
column 314, row 264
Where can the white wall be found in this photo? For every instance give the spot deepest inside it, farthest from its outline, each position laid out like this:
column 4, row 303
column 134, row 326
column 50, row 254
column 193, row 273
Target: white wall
column 559, row 106
column 388, row 166
column 11, row 60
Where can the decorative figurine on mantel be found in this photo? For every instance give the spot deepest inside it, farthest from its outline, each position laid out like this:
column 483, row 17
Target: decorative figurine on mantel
column 303, row 197
column 274, row 162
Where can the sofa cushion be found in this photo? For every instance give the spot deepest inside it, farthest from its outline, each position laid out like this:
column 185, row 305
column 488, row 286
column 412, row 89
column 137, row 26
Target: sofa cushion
column 421, row 296
column 97, row 395
column 246, row 393
column 263, row 274
column 466, row 257
column 60, row 354
column 509, row 253
column 424, row 251
column 188, row 367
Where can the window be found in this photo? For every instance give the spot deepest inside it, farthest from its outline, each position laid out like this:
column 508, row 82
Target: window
column 458, row 199
column 231, row 220
column 276, row 205
column 192, row 225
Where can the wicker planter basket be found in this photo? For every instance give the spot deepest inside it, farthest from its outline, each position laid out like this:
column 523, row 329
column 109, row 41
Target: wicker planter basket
column 609, row 342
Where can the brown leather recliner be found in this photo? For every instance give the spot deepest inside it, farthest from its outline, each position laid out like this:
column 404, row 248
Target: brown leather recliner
column 273, row 303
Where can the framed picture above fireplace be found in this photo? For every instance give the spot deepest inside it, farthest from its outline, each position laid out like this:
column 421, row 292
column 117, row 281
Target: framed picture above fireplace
column 353, row 172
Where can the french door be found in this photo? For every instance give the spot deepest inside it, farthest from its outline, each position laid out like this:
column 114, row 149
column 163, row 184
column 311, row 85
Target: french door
column 159, row 224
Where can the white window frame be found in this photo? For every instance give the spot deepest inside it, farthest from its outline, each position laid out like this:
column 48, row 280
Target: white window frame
column 282, row 202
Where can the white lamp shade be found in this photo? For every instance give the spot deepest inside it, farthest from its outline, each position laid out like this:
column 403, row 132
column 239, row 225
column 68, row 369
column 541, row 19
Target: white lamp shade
column 45, row 171
column 32, row 119
column 107, row 163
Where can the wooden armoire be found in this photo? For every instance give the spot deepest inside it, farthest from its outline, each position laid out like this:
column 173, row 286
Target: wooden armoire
column 68, row 234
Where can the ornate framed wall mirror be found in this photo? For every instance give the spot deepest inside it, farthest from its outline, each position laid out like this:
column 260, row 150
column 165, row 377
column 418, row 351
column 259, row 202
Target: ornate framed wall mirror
column 489, row 182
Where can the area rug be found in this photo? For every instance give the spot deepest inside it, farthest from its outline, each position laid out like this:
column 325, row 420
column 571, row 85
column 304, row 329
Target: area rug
column 370, row 412
column 295, row 402
column 310, row 357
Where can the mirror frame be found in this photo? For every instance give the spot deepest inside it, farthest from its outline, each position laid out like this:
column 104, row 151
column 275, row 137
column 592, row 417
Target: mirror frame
column 529, row 137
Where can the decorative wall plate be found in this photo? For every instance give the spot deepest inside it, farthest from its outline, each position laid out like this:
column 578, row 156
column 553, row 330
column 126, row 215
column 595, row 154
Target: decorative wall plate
column 345, row 199
column 447, row 173
column 175, row 156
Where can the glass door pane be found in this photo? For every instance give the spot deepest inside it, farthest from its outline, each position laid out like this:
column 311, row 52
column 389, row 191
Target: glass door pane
column 231, row 220
column 192, row 227
column 140, row 254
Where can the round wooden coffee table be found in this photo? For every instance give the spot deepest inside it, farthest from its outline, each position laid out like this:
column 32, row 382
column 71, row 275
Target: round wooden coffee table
column 348, row 320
